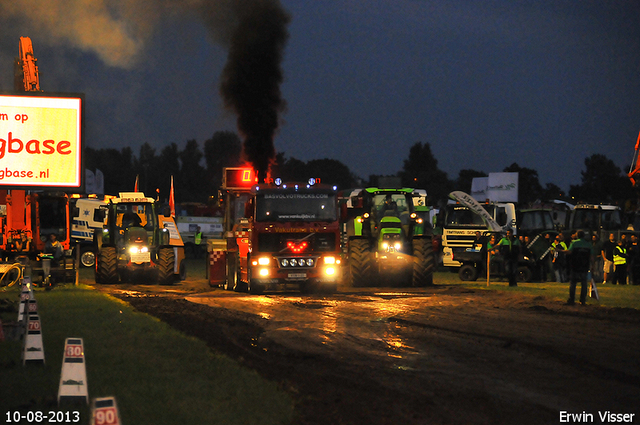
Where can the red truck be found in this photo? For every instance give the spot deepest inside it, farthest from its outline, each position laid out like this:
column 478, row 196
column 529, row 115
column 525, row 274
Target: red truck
column 276, row 234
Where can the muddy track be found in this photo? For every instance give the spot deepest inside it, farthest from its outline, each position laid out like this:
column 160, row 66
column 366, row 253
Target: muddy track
column 439, row 355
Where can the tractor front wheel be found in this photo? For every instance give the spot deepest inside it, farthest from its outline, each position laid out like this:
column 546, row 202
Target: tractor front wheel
column 166, row 260
column 106, row 266
column 424, row 263
column 360, row 262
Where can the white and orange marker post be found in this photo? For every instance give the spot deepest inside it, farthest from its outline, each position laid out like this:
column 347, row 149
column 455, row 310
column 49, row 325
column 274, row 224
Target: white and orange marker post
column 104, row 411
column 33, row 348
column 26, row 294
column 73, row 378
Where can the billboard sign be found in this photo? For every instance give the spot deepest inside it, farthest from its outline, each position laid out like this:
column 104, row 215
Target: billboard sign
column 41, row 140
column 498, row 187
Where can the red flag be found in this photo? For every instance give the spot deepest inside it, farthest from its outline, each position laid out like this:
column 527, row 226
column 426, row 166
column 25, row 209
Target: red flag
column 135, row 188
column 172, row 201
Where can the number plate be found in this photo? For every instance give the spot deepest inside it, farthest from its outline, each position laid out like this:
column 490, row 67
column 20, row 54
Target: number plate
column 141, row 257
column 297, row 276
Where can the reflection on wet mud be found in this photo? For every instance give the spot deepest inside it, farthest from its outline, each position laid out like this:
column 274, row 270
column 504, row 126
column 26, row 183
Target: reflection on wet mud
column 360, row 323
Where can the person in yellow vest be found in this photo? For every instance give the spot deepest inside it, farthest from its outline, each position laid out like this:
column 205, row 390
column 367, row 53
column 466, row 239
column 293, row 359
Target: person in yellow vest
column 620, row 263
column 198, row 241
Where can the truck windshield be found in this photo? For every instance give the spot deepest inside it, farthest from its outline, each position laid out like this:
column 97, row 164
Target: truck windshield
column 536, row 220
column 594, row 219
column 299, row 206
column 459, row 215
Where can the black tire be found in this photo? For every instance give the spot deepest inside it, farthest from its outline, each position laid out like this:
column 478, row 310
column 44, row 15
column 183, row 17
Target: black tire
column 255, row 288
column 360, row 263
column 468, row 273
column 165, row 265
column 424, row 263
column 231, row 281
column 183, row 270
column 523, row 274
column 330, row 288
column 106, row 266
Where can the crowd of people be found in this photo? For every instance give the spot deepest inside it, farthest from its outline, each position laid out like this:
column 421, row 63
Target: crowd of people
column 579, row 260
column 613, row 261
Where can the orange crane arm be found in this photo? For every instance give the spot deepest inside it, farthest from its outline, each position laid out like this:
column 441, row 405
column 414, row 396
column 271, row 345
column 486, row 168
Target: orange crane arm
column 27, row 77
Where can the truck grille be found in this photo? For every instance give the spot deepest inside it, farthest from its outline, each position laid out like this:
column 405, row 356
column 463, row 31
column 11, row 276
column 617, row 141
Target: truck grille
column 277, row 242
column 297, row 262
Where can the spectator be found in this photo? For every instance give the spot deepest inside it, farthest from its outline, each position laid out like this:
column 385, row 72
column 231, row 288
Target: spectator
column 53, row 247
column 495, row 260
column 198, row 242
column 607, row 257
column 596, row 258
column 634, row 260
column 478, row 242
column 24, row 243
column 510, row 251
column 579, row 255
column 559, row 259
column 620, row 264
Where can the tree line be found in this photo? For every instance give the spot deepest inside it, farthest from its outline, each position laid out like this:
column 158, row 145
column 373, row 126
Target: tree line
column 198, row 173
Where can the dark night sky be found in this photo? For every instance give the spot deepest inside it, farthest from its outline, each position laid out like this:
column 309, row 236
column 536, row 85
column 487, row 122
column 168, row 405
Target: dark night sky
column 486, row 83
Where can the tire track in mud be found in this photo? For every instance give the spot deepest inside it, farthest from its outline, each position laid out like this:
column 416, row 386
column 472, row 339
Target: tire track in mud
column 583, row 364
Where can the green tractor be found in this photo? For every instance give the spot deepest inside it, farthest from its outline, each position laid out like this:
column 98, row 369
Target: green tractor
column 133, row 243
column 387, row 237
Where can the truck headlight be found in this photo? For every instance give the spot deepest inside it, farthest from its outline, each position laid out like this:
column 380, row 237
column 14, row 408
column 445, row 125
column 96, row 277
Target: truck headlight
column 329, row 260
column 330, row 271
column 264, row 272
column 264, row 261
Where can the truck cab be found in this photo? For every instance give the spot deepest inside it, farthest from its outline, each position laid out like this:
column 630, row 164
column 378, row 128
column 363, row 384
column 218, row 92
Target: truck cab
column 459, row 226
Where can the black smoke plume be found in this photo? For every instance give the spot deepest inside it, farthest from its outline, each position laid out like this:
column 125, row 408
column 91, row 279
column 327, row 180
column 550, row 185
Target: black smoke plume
column 250, row 81
column 253, row 31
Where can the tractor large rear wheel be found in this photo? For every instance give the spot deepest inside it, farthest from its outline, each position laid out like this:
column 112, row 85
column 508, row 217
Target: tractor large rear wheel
column 424, row 263
column 166, row 262
column 106, row 266
column 360, row 262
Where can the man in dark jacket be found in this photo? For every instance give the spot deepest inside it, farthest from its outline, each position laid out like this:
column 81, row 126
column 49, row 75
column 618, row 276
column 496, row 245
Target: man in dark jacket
column 510, row 251
column 579, row 254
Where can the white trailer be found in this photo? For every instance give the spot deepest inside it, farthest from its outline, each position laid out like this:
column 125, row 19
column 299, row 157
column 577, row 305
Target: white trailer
column 87, row 216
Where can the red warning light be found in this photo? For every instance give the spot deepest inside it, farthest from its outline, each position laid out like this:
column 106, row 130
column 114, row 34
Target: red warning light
column 239, row 178
column 297, row 247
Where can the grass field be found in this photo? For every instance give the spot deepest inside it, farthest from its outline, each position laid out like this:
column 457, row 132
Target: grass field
column 157, row 375
column 622, row 296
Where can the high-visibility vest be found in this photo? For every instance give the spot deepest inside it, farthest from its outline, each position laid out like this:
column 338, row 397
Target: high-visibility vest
column 617, row 258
